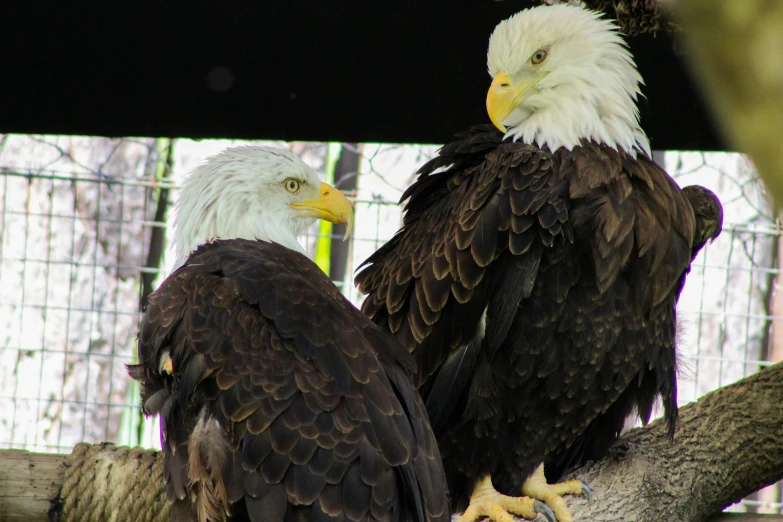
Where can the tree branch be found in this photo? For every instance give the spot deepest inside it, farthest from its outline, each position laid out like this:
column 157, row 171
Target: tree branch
column 728, row 445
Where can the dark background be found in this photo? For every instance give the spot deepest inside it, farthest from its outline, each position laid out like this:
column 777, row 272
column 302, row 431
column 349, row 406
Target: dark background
column 323, row 70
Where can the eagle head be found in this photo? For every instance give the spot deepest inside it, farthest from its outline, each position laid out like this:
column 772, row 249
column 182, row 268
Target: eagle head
column 254, row 192
column 562, row 74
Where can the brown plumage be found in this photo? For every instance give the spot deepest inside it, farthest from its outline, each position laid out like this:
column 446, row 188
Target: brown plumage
column 285, row 402
column 537, row 291
column 708, row 213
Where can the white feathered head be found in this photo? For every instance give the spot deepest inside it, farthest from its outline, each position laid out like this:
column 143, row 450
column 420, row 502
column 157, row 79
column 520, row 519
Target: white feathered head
column 562, row 74
column 254, row 192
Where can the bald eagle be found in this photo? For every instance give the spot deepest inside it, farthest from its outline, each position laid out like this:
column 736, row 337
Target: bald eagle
column 538, row 267
column 278, row 400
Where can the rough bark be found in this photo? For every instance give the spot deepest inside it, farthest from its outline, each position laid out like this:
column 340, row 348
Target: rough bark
column 734, row 51
column 728, row 445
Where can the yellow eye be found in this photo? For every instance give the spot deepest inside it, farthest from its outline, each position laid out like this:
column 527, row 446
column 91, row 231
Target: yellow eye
column 539, row 56
column 292, row 185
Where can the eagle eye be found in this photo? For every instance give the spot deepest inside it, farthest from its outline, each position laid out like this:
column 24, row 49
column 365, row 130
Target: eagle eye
column 539, row 56
column 292, row 185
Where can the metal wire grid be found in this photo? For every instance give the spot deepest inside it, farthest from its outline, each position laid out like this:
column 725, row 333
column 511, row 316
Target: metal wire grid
column 76, row 223
column 73, row 250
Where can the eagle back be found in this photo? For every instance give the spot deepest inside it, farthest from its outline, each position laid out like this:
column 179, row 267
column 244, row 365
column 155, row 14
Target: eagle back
column 281, row 398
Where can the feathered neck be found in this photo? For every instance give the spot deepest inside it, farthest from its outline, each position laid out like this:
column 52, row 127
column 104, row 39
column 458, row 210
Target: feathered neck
column 604, row 118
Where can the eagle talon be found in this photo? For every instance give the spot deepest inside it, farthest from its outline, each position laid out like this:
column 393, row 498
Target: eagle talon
column 543, row 509
column 586, row 491
column 551, row 494
column 486, row 501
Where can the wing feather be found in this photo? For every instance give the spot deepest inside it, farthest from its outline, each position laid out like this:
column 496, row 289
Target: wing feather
column 292, row 384
column 576, row 258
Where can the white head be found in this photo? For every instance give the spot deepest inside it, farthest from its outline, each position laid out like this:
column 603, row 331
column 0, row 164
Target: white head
column 254, row 193
column 562, row 74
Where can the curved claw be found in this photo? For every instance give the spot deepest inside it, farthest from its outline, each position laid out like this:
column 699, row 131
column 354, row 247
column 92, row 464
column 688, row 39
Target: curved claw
column 586, row 491
column 540, row 507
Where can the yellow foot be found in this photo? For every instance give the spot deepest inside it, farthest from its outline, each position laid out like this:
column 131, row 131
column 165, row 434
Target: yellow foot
column 536, row 487
column 485, row 501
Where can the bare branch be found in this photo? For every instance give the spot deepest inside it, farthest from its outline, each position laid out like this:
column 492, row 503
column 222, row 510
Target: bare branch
column 728, row 445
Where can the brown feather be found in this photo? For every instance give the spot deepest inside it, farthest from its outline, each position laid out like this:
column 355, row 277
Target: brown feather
column 605, row 240
column 277, row 383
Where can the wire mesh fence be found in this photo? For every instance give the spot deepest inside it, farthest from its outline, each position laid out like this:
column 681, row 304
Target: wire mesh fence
column 84, row 225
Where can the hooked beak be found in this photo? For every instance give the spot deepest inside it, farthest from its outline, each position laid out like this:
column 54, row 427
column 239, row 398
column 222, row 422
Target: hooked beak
column 503, row 96
column 332, row 206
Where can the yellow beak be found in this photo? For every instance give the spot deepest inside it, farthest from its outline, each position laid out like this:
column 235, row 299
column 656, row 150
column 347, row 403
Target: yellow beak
column 503, row 97
column 332, row 206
